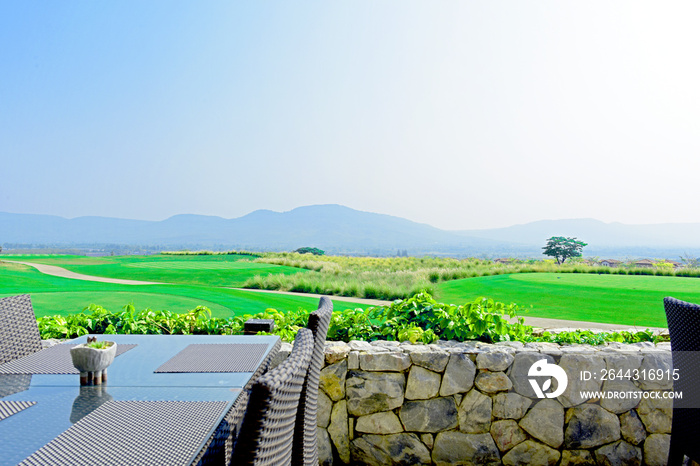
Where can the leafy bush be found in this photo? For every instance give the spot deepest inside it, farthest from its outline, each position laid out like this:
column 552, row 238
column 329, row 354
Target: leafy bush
column 590, row 338
column 352, row 324
column 417, row 319
column 421, row 318
column 97, row 320
column 307, row 250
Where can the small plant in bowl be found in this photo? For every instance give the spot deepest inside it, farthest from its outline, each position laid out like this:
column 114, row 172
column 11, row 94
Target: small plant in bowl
column 98, row 344
column 92, row 358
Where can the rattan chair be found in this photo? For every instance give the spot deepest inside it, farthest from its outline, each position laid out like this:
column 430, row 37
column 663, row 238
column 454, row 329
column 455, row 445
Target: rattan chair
column 267, row 432
column 220, row 445
column 684, row 327
column 305, row 449
column 19, row 333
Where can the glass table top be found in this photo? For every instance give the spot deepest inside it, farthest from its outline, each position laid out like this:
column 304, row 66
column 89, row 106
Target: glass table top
column 61, row 401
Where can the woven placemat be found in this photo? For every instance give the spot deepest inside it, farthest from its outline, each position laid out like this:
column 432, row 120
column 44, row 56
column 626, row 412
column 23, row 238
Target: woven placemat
column 52, row 360
column 8, row 408
column 214, row 357
column 14, row 383
column 134, row 433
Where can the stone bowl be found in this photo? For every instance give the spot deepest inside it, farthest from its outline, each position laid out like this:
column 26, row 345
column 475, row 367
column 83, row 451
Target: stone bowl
column 87, row 359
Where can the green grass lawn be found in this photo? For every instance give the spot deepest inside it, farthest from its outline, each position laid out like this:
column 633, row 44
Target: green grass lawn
column 207, row 279
column 55, row 295
column 210, row 270
column 616, row 299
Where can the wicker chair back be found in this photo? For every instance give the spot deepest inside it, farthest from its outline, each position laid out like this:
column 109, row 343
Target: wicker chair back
column 305, row 449
column 267, row 432
column 684, row 327
column 19, row 333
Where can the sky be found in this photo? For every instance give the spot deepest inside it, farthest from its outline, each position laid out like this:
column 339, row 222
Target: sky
column 459, row 114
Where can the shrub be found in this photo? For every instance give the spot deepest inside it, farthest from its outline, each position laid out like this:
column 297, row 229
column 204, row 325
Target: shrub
column 416, row 319
column 98, row 320
column 307, row 250
column 210, row 253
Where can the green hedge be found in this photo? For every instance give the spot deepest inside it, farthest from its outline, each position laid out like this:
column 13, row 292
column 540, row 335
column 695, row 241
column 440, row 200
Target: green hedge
column 416, row 319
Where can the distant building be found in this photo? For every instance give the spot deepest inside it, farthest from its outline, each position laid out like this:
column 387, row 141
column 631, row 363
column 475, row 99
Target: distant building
column 676, row 264
column 503, row 260
column 610, row 263
column 644, row 263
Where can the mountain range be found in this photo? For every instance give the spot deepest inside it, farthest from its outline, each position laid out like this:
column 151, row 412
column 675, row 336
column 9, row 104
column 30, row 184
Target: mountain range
column 341, row 230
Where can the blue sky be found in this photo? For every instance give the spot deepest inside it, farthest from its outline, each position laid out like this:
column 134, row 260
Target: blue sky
column 458, row 114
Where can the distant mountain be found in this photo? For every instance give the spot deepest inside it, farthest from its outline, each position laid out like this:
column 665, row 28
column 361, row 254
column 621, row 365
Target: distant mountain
column 334, row 228
column 341, row 230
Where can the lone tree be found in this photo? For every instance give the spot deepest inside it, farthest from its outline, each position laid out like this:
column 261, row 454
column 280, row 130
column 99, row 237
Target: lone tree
column 308, row 250
column 562, row 248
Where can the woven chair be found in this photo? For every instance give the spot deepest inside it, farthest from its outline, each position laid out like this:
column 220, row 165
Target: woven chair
column 684, row 327
column 268, row 427
column 19, row 333
column 219, row 447
column 305, row 449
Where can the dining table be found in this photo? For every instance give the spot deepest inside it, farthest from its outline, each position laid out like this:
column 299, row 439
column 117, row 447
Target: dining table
column 164, row 399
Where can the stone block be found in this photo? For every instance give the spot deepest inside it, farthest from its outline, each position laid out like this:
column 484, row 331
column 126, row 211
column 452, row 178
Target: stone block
column 574, row 365
column 428, row 440
column 507, row 434
column 545, row 422
column 577, row 348
column 631, row 428
column 656, row 449
column 385, row 362
column 359, row 345
column 385, row 343
column 621, row 363
column 336, row 351
column 372, row 392
column 389, row 450
column 510, row 344
column 325, row 451
column 422, row 384
column 353, row 360
column 332, row 380
column 531, row 453
column 456, row 448
column 430, row 415
column 495, row 361
column 656, row 414
column 459, row 375
column 474, row 413
column 590, row 426
column 577, row 458
column 621, row 453
column 325, row 406
column 379, row 423
column 338, row 430
column 510, row 405
column 619, row 405
column 654, row 362
column 429, row 358
column 492, row 382
column 519, row 372
column 552, row 349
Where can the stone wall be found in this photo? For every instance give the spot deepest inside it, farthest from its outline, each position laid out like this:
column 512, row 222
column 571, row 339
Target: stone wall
column 471, row 403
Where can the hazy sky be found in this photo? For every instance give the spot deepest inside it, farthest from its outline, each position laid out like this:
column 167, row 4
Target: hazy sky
column 460, row 114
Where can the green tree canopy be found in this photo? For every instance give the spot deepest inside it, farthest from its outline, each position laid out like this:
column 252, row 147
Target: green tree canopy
column 562, row 248
column 308, row 250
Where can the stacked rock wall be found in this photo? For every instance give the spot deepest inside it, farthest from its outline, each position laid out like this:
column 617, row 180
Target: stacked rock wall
column 472, row 403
